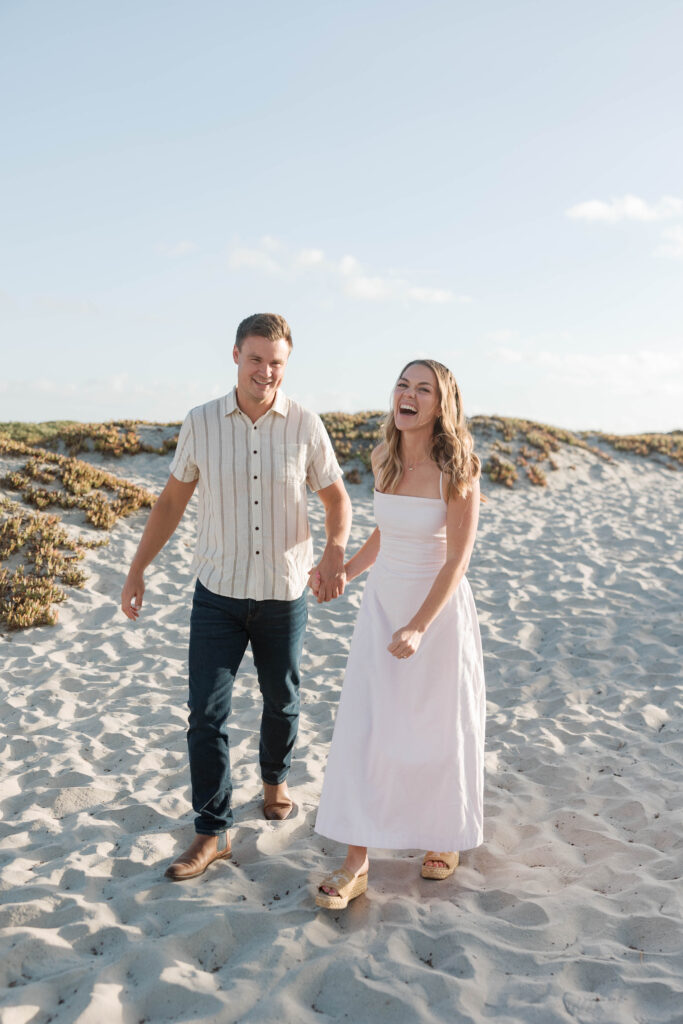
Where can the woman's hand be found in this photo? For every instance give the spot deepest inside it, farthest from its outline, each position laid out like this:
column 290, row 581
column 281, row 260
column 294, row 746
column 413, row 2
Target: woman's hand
column 405, row 642
column 315, row 582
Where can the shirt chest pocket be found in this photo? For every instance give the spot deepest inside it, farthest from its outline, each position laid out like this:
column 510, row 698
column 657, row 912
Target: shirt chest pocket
column 289, row 463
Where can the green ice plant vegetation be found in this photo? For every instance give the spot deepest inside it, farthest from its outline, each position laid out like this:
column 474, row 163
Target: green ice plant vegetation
column 45, row 558
column 513, row 442
column 537, row 476
column 669, row 446
column 48, row 478
column 116, row 438
column 500, row 471
column 44, row 472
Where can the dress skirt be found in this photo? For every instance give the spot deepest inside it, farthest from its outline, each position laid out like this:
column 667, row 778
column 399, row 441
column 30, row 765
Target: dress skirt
column 406, row 764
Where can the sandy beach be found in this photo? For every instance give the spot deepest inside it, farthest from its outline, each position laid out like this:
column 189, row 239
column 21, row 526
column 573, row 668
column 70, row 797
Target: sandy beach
column 569, row 912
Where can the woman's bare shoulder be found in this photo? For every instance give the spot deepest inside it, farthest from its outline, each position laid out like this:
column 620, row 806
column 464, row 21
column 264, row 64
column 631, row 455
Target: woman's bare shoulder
column 472, row 497
column 377, row 454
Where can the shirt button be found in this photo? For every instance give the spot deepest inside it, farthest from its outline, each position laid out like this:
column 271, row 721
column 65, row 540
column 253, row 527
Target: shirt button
column 256, row 502
column 256, row 527
column 258, row 552
column 255, row 478
column 255, row 452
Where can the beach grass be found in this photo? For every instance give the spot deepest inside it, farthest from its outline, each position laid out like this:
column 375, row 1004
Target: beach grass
column 41, row 551
column 43, row 558
column 354, row 435
column 36, row 433
column 116, row 437
column 45, row 474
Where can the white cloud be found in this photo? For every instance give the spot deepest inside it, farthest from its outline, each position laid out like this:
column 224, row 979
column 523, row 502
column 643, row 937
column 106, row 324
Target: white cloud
column 311, row 257
column 119, row 395
column 271, row 257
column 44, row 386
column 435, row 295
column 179, row 249
column 348, row 265
column 672, row 244
column 627, row 208
column 509, row 355
column 55, row 305
column 627, row 374
column 358, row 286
column 254, row 259
column 503, row 336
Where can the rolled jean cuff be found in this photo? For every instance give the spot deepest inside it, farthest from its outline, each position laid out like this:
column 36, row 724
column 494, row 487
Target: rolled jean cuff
column 202, row 832
column 281, row 776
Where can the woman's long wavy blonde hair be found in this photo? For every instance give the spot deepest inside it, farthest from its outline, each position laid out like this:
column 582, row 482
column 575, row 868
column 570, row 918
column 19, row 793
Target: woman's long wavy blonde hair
column 452, row 444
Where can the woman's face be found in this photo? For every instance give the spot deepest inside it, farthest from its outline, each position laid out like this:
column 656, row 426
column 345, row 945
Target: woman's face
column 416, row 399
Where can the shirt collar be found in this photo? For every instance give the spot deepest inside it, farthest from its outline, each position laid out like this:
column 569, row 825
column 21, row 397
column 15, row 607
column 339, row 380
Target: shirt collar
column 280, row 405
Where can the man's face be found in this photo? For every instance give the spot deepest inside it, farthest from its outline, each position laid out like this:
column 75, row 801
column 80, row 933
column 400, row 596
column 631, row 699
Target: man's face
column 260, row 368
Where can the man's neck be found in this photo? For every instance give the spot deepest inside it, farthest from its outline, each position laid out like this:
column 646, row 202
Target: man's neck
column 254, row 410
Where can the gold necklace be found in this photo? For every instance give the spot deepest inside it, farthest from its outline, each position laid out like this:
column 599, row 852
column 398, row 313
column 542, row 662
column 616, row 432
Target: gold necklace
column 410, row 468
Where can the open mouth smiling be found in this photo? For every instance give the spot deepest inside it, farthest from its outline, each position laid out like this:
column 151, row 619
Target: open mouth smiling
column 407, row 410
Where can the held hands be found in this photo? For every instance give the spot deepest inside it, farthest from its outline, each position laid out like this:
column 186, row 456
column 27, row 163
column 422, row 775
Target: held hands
column 327, row 583
column 131, row 595
column 313, row 580
column 405, row 642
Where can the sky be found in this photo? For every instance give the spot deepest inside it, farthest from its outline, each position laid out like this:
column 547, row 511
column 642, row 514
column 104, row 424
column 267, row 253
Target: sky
column 495, row 185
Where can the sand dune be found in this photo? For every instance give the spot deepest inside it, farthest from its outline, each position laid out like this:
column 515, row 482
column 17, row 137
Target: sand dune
column 569, row 912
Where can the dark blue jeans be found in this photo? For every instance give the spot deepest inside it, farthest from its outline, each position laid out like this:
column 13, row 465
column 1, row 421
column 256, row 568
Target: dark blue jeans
column 220, row 629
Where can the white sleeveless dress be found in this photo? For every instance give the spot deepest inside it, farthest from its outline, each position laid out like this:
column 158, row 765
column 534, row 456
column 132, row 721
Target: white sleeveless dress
column 406, row 764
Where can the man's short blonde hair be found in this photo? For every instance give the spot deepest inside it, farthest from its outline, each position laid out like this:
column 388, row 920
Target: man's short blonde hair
column 265, row 325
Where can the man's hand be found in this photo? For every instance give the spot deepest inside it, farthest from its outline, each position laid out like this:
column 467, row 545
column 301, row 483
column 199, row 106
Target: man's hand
column 131, row 595
column 405, row 642
column 337, row 526
column 314, row 581
column 328, row 578
column 163, row 519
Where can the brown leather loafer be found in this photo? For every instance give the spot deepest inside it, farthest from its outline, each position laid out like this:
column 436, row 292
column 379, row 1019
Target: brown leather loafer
column 196, row 859
column 277, row 803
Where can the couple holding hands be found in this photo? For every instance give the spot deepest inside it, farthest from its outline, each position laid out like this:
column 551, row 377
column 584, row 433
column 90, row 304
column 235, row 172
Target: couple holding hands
column 405, row 767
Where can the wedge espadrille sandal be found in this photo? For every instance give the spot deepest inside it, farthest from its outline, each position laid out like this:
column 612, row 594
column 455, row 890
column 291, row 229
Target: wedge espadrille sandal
column 348, row 886
column 450, row 859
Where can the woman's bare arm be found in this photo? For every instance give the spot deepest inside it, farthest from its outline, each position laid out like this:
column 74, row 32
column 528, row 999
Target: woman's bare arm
column 367, row 555
column 461, row 529
column 364, row 557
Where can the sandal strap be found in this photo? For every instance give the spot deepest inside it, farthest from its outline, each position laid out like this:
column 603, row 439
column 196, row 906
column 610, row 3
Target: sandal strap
column 446, row 857
column 339, row 880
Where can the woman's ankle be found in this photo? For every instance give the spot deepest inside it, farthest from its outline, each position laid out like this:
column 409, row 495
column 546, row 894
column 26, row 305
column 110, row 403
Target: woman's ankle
column 356, row 860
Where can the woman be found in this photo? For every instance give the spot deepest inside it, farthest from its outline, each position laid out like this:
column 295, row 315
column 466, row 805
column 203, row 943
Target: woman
column 405, row 768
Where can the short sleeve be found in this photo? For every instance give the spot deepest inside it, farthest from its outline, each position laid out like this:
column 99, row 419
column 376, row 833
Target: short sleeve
column 322, row 468
column 183, row 467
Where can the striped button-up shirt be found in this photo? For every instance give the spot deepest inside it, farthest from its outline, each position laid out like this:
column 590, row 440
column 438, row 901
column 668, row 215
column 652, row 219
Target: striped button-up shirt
column 253, row 537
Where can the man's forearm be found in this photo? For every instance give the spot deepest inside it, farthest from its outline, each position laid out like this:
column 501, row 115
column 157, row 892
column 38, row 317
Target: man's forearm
column 162, row 522
column 337, row 528
column 330, row 568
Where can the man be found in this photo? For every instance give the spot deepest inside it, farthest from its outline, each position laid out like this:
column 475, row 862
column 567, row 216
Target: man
column 251, row 454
